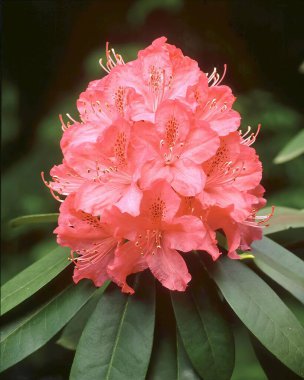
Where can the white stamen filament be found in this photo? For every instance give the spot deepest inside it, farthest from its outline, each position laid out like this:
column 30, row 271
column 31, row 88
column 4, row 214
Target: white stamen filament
column 215, row 78
column 259, row 220
column 111, row 62
column 249, row 140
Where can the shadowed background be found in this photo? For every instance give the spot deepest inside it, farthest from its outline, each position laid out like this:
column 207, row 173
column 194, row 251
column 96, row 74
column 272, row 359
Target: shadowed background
column 50, row 51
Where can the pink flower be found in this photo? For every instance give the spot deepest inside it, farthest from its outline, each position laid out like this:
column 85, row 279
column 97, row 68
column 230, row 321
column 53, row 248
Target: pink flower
column 154, row 169
column 92, row 241
column 174, row 148
column 154, row 238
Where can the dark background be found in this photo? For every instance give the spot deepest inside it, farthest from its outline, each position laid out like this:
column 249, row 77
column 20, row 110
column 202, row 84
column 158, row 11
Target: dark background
column 50, row 51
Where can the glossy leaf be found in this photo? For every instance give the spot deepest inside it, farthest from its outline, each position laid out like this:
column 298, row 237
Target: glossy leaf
column 25, row 336
column 35, row 218
column 293, row 149
column 283, row 219
column 281, row 265
column 33, row 278
column 185, row 370
column 247, row 365
column 262, row 311
column 206, row 335
column 272, row 367
column 117, row 340
column 72, row 332
column 163, row 362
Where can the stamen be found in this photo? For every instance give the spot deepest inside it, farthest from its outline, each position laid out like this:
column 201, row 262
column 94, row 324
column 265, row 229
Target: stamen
column 223, row 76
column 70, row 117
column 47, row 184
column 157, row 84
column 215, row 78
column 211, row 75
column 259, row 220
column 103, row 67
column 249, row 140
column 64, row 127
column 111, row 61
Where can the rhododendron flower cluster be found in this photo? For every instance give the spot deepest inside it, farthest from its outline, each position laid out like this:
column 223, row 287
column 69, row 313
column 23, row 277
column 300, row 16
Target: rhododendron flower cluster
column 155, row 166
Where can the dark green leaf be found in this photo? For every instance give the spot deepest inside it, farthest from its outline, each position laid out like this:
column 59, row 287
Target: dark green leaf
column 117, row 340
column 281, row 265
column 206, row 336
column 72, row 332
column 185, row 370
column 273, row 368
column 33, row 278
column 247, row 365
column 21, row 338
column 283, row 219
column 262, row 311
column 293, row 149
column 35, row 218
column 163, row 362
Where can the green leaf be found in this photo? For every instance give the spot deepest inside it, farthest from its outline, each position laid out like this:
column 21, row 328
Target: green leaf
column 117, row 340
column 247, row 365
column 33, row 278
column 36, row 218
column 272, row 367
column 72, row 332
column 281, row 265
column 206, row 336
column 293, row 149
column 163, row 358
column 262, row 311
column 185, row 371
column 25, row 336
column 283, row 219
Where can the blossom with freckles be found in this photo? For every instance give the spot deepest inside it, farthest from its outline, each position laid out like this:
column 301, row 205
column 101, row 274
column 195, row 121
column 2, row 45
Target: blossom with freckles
column 153, row 169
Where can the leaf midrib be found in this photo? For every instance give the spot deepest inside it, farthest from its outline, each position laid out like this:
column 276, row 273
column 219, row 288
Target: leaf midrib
column 204, row 328
column 31, row 316
column 43, row 274
column 123, row 315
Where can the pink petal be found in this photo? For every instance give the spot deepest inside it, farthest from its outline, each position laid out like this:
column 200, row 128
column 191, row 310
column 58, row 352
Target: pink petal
column 127, row 260
column 91, row 239
column 130, row 200
column 188, row 178
column 188, row 233
column 153, row 171
column 221, row 219
column 161, row 197
column 227, row 123
column 78, row 134
column 201, row 144
column 65, row 179
column 94, row 197
column 97, row 271
column 250, row 169
column 169, row 268
column 172, row 121
column 77, row 229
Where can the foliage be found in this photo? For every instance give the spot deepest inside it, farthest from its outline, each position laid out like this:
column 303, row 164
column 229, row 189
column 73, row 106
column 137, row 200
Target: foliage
column 118, row 334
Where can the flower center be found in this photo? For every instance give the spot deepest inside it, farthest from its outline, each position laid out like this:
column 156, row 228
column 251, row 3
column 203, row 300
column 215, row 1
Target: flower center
column 150, row 242
column 120, row 148
column 171, row 131
column 157, row 210
column 220, row 170
column 119, row 97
